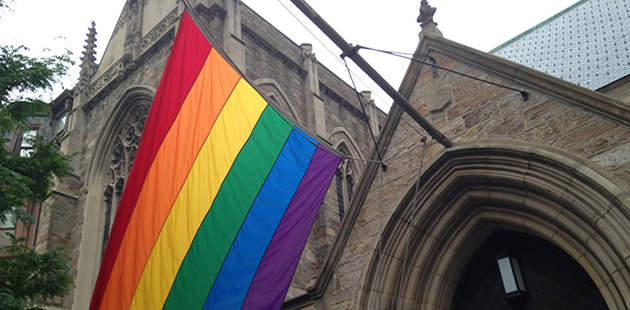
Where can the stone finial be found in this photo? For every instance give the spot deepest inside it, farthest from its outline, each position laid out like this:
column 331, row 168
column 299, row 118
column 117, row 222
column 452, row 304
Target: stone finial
column 426, row 18
column 426, row 13
column 307, row 48
column 88, row 61
column 307, row 51
column 366, row 95
column 371, row 111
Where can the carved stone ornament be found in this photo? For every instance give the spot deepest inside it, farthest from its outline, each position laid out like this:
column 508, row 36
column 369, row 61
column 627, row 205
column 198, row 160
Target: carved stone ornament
column 158, row 31
column 117, row 72
column 88, row 61
column 307, row 51
column 127, row 13
column 426, row 14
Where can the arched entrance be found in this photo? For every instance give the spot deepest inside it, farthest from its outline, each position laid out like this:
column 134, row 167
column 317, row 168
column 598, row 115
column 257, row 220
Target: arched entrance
column 552, row 278
column 473, row 190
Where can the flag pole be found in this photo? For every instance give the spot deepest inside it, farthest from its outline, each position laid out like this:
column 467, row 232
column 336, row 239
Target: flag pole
column 350, row 51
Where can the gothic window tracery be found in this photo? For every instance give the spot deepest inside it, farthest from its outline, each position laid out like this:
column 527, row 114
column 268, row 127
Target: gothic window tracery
column 344, row 180
column 121, row 159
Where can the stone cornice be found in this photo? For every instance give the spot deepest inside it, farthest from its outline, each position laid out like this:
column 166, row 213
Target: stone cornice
column 551, row 86
column 61, row 193
column 110, row 79
column 325, row 90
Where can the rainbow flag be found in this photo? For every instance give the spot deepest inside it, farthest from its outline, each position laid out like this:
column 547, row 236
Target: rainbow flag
column 221, row 196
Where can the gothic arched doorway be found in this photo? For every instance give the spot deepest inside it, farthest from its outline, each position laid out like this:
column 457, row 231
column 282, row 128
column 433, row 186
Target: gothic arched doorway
column 553, row 279
column 474, row 190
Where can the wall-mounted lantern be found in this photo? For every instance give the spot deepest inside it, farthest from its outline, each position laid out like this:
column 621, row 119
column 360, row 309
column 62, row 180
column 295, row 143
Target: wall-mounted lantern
column 511, row 275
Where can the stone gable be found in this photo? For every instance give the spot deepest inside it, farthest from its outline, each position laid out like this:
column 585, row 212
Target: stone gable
column 469, row 112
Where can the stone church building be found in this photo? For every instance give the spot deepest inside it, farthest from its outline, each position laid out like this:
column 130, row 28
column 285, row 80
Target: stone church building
column 106, row 111
column 538, row 172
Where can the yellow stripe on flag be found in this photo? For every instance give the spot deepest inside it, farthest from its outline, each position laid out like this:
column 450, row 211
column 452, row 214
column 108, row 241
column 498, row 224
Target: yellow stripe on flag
column 229, row 134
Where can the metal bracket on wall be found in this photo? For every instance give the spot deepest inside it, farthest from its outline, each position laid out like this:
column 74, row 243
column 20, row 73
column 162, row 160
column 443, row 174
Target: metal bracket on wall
column 433, row 68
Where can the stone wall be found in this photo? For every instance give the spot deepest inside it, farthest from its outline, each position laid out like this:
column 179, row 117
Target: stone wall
column 280, row 61
column 482, row 111
column 619, row 89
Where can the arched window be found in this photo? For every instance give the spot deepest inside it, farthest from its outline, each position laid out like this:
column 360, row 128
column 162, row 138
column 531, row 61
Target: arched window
column 279, row 98
column 121, row 158
column 344, row 180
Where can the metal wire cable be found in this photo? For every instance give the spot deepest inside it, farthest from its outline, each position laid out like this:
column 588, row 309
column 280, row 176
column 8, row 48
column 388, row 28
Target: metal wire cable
column 380, row 161
column 523, row 93
column 380, row 241
column 412, row 220
column 367, row 122
column 345, row 63
column 329, row 50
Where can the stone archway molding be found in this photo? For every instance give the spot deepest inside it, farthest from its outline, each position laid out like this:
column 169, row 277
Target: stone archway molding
column 92, row 231
column 115, row 121
column 473, row 189
column 340, row 136
column 283, row 96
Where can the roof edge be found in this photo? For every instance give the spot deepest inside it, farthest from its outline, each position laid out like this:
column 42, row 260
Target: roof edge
column 551, row 86
column 546, row 21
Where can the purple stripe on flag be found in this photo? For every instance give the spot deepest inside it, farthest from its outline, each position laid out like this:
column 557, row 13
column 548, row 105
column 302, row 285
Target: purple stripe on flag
column 273, row 277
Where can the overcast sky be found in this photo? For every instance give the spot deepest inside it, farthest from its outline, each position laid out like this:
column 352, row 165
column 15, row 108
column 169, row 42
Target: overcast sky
column 390, row 25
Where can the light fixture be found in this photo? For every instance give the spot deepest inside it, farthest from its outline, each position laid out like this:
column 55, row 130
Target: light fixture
column 511, row 275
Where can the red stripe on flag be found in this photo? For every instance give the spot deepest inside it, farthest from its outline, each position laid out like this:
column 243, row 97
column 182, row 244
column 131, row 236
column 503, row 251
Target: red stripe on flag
column 183, row 72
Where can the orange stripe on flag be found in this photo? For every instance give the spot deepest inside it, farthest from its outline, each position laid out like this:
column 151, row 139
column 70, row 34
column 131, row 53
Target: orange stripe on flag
column 164, row 181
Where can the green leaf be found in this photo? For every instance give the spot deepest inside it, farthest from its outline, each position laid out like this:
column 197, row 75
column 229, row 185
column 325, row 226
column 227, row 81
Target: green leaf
column 27, row 278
